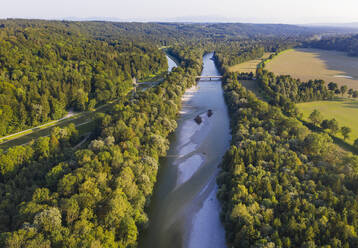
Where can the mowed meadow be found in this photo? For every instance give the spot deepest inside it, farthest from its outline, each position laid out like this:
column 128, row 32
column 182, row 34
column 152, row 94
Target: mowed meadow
column 307, row 64
column 344, row 110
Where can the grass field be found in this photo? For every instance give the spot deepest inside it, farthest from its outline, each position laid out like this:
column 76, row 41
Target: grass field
column 249, row 66
column 306, row 64
column 344, row 110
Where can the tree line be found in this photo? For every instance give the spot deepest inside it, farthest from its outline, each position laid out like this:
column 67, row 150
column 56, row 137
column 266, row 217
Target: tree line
column 236, row 52
column 284, row 90
column 346, row 43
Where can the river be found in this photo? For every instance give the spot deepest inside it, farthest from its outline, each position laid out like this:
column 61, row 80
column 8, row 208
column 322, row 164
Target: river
column 171, row 63
column 184, row 210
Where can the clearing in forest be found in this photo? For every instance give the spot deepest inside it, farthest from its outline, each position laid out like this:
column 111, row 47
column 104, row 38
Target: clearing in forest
column 306, row 64
column 344, row 110
column 248, row 66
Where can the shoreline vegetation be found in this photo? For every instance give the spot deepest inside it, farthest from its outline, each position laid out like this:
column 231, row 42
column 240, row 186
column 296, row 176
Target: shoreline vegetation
column 272, row 157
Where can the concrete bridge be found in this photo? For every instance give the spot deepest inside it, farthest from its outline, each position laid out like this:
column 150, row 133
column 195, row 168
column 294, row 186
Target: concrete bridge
column 209, row 77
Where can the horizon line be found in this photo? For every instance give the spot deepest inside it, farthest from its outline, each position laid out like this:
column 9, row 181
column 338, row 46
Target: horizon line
column 172, row 20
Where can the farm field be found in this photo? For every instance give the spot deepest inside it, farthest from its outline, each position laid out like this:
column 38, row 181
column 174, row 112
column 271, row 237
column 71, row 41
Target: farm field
column 306, row 64
column 248, row 66
column 344, row 110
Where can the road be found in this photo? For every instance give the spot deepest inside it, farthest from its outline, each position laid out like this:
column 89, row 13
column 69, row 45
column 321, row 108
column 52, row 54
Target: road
column 83, row 119
column 27, row 131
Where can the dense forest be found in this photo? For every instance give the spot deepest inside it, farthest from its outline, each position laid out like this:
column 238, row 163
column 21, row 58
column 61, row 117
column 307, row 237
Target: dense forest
column 170, row 33
column 282, row 185
column 55, row 196
column 347, row 44
column 46, row 71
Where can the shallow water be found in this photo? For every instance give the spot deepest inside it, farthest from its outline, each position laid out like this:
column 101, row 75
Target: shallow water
column 184, row 211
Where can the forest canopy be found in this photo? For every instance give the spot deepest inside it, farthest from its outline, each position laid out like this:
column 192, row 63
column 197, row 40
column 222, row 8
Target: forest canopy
column 47, row 70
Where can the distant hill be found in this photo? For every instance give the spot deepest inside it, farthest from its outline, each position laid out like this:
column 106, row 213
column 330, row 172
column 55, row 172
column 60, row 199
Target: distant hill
column 352, row 25
column 172, row 32
column 168, row 31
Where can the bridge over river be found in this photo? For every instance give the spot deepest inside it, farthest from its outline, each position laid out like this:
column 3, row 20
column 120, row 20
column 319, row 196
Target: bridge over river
column 209, row 77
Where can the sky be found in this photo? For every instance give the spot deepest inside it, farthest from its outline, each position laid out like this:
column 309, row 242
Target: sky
column 256, row 11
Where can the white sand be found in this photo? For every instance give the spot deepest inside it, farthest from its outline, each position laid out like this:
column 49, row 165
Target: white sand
column 191, row 129
column 188, row 95
column 188, row 168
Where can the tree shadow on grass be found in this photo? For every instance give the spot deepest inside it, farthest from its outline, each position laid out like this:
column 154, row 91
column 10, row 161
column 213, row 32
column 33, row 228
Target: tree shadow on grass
column 338, row 141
